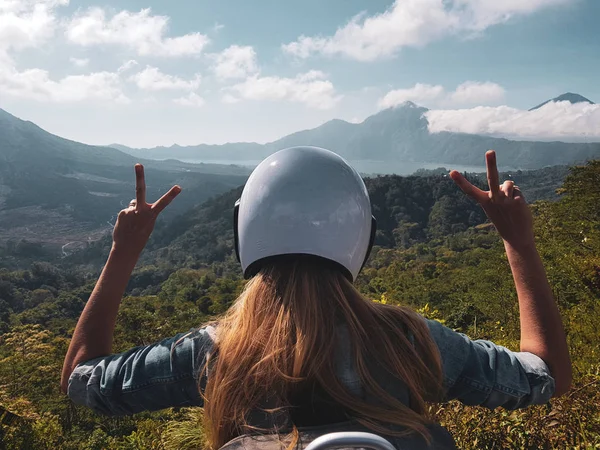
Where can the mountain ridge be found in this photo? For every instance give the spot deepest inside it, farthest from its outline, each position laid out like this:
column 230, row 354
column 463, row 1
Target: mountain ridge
column 566, row 97
column 15, row 133
column 391, row 135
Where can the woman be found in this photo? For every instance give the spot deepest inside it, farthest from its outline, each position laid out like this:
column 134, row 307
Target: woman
column 301, row 352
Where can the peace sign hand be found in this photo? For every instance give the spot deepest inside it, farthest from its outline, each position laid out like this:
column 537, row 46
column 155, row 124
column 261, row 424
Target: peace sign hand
column 504, row 204
column 135, row 223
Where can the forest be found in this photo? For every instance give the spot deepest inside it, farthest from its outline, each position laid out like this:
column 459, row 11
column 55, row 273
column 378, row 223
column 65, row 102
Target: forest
column 434, row 251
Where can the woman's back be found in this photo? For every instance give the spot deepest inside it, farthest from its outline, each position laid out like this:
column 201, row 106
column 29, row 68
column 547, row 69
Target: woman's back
column 300, row 324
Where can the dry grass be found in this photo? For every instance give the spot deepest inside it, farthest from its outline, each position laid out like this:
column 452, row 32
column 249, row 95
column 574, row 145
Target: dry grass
column 569, row 422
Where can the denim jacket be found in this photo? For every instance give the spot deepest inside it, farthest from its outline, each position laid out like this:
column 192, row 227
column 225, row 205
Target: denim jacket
column 167, row 374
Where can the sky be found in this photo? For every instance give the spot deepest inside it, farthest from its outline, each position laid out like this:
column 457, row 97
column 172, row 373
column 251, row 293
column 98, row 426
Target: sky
column 145, row 73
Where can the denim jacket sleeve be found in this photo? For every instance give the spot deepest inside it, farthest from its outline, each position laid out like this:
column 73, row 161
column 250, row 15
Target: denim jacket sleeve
column 147, row 378
column 483, row 373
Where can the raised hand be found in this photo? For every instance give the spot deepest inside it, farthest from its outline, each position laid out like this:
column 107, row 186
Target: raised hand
column 135, row 223
column 93, row 336
column 504, row 204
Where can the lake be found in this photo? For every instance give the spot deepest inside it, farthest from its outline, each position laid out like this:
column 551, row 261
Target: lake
column 368, row 166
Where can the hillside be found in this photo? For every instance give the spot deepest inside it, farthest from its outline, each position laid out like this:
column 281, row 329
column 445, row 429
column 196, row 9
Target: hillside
column 394, row 136
column 58, row 191
column 23, row 141
column 409, row 210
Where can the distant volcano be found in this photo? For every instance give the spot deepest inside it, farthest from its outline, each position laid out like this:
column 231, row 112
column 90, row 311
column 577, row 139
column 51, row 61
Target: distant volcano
column 568, row 97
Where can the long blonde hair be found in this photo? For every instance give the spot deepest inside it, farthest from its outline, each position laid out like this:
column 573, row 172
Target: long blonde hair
column 281, row 333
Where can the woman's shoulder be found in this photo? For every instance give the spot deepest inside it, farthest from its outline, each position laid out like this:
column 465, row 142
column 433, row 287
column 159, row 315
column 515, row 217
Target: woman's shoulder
column 481, row 372
column 165, row 373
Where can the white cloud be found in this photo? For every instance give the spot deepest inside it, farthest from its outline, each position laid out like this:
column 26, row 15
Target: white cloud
column 413, row 23
column 192, row 99
column 467, row 94
column 477, row 15
column 36, row 84
column 141, row 31
column 310, row 88
column 476, row 93
column 419, row 93
column 555, row 120
column 127, row 65
column 235, row 62
column 152, row 79
column 79, row 62
column 27, row 23
column 230, row 99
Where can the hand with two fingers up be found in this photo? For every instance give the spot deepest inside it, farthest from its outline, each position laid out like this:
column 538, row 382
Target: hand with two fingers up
column 542, row 330
column 135, row 223
column 504, row 204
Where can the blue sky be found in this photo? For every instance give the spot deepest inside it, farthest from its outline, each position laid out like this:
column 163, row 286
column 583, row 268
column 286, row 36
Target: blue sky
column 145, row 73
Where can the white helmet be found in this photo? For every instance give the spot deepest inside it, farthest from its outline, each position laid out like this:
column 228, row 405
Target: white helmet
column 304, row 201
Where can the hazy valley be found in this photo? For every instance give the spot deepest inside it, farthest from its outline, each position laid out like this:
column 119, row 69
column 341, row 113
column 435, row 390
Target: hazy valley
column 65, row 194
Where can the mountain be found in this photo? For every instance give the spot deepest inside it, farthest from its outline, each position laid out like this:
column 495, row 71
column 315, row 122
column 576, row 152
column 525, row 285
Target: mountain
column 393, row 137
column 60, row 191
column 24, row 141
column 335, row 135
column 568, row 97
